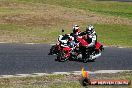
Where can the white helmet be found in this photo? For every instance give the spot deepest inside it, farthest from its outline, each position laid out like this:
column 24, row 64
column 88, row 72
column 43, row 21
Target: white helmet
column 90, row 29
column 76, row 29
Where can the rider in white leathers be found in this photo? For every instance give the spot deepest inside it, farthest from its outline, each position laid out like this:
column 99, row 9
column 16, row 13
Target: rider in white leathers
column 91, row 36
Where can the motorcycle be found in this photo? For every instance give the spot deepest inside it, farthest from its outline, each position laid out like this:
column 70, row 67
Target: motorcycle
column 76, row 51
column 61, row 49
column 89, row 54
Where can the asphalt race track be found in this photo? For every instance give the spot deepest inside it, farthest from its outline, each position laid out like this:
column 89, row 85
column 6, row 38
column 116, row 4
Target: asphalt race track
column 27, row 59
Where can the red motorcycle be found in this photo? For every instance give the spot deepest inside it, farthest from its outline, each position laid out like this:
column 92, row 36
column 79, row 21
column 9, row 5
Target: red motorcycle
column 61, row 49
column 77, row 52
column 89, row 54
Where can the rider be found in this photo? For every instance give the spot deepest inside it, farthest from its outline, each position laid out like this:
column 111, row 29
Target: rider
column 75, row 33
column 91, row 36
column 76, row 30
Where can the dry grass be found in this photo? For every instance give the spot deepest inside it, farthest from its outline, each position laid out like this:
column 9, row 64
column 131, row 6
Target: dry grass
column 45, row 15
column 61, row 81
column 32, row 22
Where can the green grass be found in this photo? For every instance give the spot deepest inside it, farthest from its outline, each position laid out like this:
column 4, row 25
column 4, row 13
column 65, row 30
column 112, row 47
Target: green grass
column 111, row 34
column 118, row 35
column 121, row 9
column 27, row 82
column 41, row 21
column 21, row 34
column 61, row 81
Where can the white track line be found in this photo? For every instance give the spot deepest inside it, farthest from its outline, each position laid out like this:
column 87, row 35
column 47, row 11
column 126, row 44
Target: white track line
column 30, row 43
column 67, row 73
column 106, row 46
column 53, row 44
column 3, row 42
column 120, row 47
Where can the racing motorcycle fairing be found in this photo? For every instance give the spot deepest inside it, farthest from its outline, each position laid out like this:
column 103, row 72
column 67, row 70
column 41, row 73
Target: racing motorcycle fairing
column 82, row 41
column 67, row 51
column 98, row 45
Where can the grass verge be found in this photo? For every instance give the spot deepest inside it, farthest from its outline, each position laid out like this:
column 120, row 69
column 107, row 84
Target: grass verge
column 61, row 81
column 108, row 7
column 41, row 21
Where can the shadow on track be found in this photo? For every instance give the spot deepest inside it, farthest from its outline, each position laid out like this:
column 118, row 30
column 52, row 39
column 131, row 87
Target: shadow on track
column 76, row 60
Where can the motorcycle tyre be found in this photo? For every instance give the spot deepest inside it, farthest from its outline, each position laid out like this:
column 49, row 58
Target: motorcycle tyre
column 61, row 57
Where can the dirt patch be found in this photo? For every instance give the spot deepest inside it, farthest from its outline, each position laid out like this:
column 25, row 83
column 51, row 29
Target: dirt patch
column 28, row 20
column 15, row 5
column 49, row 15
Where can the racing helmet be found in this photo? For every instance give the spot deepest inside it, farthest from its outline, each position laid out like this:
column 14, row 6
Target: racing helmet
column 76, row 29
column 90, row 29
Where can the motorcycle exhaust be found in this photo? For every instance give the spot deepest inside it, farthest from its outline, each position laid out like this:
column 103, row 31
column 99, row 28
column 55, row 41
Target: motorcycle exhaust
column 96, row 56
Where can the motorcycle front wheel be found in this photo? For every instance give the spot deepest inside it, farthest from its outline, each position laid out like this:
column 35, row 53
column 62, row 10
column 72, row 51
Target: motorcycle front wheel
column 61, row 57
